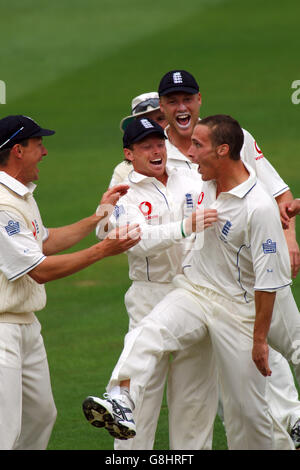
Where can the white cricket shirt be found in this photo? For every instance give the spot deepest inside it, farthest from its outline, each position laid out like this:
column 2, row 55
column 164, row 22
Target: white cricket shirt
column 159, row 210
column 245, row 250
column 19, row 250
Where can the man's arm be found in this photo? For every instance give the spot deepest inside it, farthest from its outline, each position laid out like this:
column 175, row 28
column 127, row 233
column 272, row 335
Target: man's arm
column 62, row 238
column 264, row 303
column 56, row 267
column 288, row 210
column 290, row 234
column 266, row 173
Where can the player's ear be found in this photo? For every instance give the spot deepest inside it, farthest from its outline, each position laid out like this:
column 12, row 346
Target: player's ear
column 223, row 150
column 128, row 154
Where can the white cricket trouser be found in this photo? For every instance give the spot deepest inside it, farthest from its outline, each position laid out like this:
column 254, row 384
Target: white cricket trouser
column 27, row 409
column 184, row 318
column 189, row 393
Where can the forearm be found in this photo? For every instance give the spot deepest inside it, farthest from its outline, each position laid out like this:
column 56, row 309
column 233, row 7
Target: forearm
column 264, row 304
column 59, row 266
column 56, row 267
column 62, row 238
column 290, row 232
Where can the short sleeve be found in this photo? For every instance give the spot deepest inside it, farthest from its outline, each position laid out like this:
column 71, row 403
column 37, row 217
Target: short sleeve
column 269, row 250
column 19, row 251
column 265, row 172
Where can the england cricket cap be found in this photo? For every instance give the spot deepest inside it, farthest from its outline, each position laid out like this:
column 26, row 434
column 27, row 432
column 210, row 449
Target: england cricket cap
column 140, row 128
column 15, row 129
column 140, row 105
column 178, row 80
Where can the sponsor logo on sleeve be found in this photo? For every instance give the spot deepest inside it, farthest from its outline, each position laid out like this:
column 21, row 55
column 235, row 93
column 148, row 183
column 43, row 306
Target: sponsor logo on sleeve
column 12, row 228
column 35, row 228
column 269, row 247
column 260, row 154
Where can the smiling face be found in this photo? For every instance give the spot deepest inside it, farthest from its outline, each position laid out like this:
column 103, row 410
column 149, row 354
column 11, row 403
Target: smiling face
column 182, row 111
column 31, row 155
column 148, row 156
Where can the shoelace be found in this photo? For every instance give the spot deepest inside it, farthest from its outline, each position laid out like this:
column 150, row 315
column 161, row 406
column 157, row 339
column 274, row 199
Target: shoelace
column 118, row 409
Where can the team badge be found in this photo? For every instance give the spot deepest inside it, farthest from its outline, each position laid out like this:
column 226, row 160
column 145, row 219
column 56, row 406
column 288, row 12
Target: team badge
column 189, row 201
column 147, row 124
column 12, row 228
column 177, row 77
column 269, row 247
column 226, row 228
column 118, row 210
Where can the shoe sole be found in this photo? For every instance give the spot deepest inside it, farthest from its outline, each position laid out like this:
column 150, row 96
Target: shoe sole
column 100, row 414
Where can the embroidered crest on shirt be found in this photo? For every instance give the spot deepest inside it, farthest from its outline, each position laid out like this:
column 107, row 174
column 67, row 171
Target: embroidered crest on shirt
column 225, row 231
column 189, row 201
column 12, row 228
column 269, row 247
column 118, row 210
column 226, row 228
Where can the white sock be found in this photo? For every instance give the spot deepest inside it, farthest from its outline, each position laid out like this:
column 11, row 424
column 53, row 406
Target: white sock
column 115, row 391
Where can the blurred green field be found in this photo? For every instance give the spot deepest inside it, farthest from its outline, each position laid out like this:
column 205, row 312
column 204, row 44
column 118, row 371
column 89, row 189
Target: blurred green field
column 75, row 67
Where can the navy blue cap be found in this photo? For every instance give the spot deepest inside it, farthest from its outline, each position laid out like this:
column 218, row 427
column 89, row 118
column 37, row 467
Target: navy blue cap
column 178, row 80
column 14, row 129
column 140, row 128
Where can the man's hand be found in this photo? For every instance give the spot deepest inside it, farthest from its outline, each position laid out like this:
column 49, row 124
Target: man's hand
column 260, row 356
column 112, row 195
column 199, row 220
column 121, row 239
column 288, row 209
column 108, row 202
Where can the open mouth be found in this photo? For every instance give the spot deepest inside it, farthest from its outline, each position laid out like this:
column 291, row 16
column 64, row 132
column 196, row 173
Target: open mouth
column 183, row 120
column 157, row 161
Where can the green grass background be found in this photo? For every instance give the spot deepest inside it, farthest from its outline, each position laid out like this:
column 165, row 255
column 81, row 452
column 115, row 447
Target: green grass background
column 75, row 66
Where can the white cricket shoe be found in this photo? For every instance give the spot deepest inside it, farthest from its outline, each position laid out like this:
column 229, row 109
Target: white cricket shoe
column 295, row 434
column 114, row 414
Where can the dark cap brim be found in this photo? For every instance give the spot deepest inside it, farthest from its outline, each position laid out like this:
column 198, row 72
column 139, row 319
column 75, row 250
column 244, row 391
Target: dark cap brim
column 146, row 134
column 42, row 133
column 191, row 91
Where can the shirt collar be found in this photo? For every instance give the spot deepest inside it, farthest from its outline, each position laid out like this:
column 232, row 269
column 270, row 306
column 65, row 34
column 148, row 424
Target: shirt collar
column 136, row 178
column 244, row 188
column 16, row 186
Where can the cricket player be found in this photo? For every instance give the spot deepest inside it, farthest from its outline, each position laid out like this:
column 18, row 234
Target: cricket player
column 159, row 196
column 144, row 105
column 180, row 100
column 27, row 261
column 233, row 303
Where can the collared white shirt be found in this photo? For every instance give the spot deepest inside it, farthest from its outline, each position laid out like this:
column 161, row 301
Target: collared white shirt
column 19, row 250
column 245, row 250
column 159, row 210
